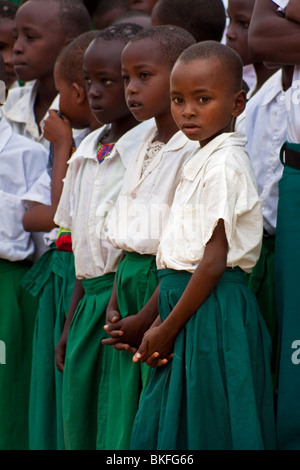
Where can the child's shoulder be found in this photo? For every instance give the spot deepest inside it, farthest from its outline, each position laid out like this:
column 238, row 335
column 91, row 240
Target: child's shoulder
column 16, row 94
column 21, row 144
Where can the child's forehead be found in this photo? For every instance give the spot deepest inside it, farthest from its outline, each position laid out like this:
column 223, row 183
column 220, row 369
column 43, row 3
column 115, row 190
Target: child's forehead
column 101, row 53
column 39, row 13
column 146, row 48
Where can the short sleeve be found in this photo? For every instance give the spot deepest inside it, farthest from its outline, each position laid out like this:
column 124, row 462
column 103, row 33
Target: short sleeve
column 222, row 197
column 64, row 212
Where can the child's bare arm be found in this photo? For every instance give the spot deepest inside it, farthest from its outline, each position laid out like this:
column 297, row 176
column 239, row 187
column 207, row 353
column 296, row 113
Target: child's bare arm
column 58, row 131
column 272, row 37
column 39, row 217
column 161, row 339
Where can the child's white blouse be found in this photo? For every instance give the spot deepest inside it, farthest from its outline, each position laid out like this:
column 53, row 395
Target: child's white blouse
column 22, row 162
column 217, row 183
column 89, row 194
column 144, row 203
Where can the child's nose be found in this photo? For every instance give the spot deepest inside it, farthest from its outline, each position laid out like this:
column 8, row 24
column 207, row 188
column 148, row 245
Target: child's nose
column 230, row 33
column 131, row 87
column 188, row 111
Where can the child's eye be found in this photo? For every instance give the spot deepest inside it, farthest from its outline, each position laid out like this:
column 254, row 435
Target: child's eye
column 177, row 100
column 144, row 75
column 203, row 99
column 244, row 24
column 125, row 78
column 87, row 80
column 106, row 81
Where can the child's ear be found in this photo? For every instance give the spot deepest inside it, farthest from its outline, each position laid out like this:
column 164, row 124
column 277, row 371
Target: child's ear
column 239, row 103
column 80, row 93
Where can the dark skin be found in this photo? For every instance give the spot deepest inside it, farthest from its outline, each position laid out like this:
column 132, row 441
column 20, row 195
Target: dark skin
column 38, row 38
column 147, row 82
column 105, row 91
column 273, row 38
column 240, row 13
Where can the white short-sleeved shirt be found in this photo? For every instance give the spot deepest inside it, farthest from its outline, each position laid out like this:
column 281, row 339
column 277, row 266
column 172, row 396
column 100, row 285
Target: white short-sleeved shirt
column 41, row 192
column 217, row 183
column 293, row 100
column 19, row 111
column 144, row 204
column 22, row 163
column 89, row 194
column 265, row 125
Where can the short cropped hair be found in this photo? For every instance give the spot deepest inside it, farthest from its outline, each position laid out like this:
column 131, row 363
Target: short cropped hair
column 204, row 19
column 8, row 9
column 229, row 59
column 74, row 16
column 70, row 59
column 171, row 40
column 123, row 32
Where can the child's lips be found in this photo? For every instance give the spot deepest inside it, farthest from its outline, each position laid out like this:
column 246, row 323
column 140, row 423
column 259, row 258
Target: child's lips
column 134, row 105
column 189, row 128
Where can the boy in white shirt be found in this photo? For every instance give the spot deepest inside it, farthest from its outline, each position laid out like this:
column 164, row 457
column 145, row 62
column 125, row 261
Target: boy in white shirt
column 216, row 393
column 22, row 162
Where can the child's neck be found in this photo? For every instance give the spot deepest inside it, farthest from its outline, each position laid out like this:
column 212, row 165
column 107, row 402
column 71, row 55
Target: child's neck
column 262, row 74
column 166, row 128
column 119, row 128
column 46, row 92
column 287, row 76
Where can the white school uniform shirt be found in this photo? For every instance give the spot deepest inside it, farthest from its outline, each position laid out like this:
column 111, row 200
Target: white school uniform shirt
column 217, row 183
column 40, row 192
column 144, row 203
column 89, row 194
column 19, row 111
column 22, row 162
column 292, row 101
column 265, row 125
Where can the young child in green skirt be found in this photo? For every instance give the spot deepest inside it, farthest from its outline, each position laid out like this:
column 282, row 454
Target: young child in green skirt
column 92, row 184
column 216, row 393
column 52, row 277
column 141, row 211
column 22, row 163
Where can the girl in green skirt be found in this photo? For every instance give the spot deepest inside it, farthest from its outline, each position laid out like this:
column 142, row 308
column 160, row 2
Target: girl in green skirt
column 216, row 392
column 145, row 197
column 91, row 186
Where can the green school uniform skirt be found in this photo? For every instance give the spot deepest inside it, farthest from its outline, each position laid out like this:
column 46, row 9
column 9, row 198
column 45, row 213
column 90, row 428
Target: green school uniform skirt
column 261, row 282
column 136, row 281
column 51, row 279
column 85, row 362
column 287, row 271
column 216, row 393
column 17, row 316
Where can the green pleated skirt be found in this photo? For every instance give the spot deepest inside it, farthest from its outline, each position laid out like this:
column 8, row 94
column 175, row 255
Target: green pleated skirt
column 86, row 360
column 261, row 282
column 216, row 393
column 287, row 272
column 51, row 280
column 17, row 316
column 136, row 281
